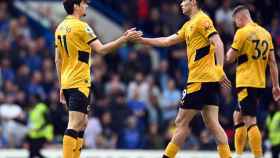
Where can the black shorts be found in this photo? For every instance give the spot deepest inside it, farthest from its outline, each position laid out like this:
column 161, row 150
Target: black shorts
column 198, row 95
column 77, row 100
column 248, row 99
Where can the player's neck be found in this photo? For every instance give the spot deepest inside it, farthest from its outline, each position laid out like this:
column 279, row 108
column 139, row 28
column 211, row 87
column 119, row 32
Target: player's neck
column 76, row 15
column 194, row 12
column 248, row 21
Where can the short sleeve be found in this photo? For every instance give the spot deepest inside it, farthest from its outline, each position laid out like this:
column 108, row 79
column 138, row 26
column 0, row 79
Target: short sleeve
column 206, row 27
column 238, row 40
column 181, row 32
column 55, row 40
column 88, row 34
column 271, row 46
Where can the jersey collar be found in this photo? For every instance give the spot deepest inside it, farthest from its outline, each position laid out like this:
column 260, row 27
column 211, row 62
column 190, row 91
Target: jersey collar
column 71, row 17
column 195, row 15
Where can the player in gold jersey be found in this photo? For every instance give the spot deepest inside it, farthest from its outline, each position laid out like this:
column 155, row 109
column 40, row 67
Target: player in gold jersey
column 253, row 49
column 74, row 40
column 205, row 53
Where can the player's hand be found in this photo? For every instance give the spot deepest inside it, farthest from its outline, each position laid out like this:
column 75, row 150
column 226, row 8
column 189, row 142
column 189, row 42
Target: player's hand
column 61, row 97
column 276, row 93
column 132, row 34
column 225, row 82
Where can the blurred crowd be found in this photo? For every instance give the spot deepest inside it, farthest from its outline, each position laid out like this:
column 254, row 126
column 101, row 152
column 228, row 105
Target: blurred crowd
column 135, row 91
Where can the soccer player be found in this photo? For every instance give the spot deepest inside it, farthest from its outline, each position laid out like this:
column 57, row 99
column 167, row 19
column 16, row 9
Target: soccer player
column 252, row 47
column 74, row 40
column 205, row 53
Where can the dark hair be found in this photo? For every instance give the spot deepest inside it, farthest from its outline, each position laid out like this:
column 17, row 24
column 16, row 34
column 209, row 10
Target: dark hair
column 69, row 5
column 239, row 8
column 199, row 3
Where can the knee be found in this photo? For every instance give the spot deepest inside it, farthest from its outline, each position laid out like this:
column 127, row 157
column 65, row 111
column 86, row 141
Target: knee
column 182, row 127
column 212, row 125
column 181, row 123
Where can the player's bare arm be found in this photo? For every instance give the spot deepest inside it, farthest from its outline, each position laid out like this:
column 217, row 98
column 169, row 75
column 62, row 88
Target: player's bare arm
column 58, row 67
column 161, row 41
column 274, row 76
column 129, row 35
column 219, row 48
column 219, row 52
column 231, row 56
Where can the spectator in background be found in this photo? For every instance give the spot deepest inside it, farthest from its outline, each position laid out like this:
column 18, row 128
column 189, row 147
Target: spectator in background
column 13, row 117
column 59, row 115
column 139, row 110
column 153, row 138
column 114, row 85
column 24, row 27
column 33, row 60
column 169, row 101
column 131, row 137
column 23, row 77
column 108, row 138
column 275, row 30
column 141, row 85
column 10, row 89
column 16, row 35
column 224, row 21
column 35, row 87
column 7, row 71
column 1, row 78
column 145, row 59
column 273, row 128
column 40, row 127
column 161, row 75
column 153, row 26
column 120, row 112
column 143, row 9
column 92, row 132
column 131, row 67
column 154, row 111
column 223, row 17
column 170, row 14
column 4, row 18
column 207, row 142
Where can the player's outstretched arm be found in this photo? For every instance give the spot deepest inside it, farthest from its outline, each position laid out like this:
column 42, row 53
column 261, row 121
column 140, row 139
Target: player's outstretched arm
column 274, row 76
column 129, row 35
column 161, row 41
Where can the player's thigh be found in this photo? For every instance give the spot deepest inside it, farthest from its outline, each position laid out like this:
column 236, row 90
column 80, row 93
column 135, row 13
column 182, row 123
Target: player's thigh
column 76, row 120
column 210, row 115
column 184, row 117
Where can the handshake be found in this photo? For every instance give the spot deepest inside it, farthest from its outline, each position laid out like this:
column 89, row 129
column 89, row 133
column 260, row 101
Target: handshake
column 132, row 35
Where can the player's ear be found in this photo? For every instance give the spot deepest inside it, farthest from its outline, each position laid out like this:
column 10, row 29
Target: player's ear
column 75, row 6
column 193, row 2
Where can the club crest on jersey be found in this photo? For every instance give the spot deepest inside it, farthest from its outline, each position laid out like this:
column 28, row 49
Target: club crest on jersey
column 207, row 26
column 89, row 31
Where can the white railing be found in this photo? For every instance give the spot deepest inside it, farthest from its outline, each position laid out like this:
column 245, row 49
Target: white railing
column 56, row 153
